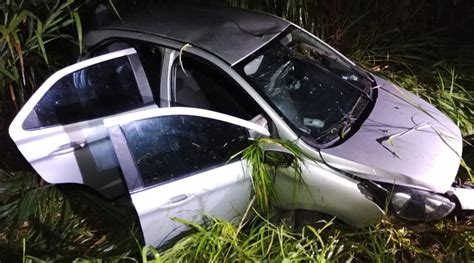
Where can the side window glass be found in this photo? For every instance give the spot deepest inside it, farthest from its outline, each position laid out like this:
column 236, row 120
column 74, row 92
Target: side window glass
column 99, row 90
column 171, row 147
column 203, row 85
column 150, row 57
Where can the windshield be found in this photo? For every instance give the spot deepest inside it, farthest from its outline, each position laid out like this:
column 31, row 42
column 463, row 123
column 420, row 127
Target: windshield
column 317, row 91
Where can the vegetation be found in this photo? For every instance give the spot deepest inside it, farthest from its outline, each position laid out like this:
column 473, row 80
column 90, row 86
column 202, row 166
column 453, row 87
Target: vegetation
column 401, row 40
column 261, row 176
column 25, row 36
column 321, row 241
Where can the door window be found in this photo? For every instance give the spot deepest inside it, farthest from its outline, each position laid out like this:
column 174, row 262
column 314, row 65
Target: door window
column 171, row 147
column 199, row 84
column 149, row 54
column 99, row 90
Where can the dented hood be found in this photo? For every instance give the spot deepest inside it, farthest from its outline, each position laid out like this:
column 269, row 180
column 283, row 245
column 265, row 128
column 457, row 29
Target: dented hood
column 404, row 141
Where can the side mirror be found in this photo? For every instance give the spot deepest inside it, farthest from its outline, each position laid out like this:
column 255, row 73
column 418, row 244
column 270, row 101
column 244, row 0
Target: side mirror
column 260, row 120
column 278, row 158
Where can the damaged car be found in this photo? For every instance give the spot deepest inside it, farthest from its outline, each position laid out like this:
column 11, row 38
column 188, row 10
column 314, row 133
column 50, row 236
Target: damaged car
column 163, row 99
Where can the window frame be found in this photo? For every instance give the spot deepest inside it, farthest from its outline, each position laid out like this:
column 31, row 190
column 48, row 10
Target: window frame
column 208, row 164
column 138, row 72
column 225, row 73
column 160, row 98
column 127, row 162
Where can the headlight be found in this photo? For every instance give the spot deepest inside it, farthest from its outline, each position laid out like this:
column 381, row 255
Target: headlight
column 414, row 204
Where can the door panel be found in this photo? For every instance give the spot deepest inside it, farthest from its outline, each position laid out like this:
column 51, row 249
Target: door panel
column 223, row 192
column 60, row 130
column 177, row 164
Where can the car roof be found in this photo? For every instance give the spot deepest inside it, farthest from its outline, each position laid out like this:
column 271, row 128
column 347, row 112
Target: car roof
column 227, row 32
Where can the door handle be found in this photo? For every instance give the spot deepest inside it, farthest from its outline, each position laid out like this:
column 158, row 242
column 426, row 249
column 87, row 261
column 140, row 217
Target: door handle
column 178, row 200
column 67, row 148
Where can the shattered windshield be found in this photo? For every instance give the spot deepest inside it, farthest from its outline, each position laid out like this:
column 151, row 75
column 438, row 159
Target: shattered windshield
column 317, row 91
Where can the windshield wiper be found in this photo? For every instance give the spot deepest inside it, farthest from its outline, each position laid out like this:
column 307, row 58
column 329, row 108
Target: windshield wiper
column 342, row 126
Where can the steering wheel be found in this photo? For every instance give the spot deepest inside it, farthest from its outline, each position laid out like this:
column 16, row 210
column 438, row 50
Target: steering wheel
column 275, row 85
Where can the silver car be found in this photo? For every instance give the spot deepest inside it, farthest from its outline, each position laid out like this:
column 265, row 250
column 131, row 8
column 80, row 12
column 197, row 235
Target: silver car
column 161, row 102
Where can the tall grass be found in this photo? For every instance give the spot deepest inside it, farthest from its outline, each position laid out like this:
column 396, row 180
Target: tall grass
column 260, row 240
column 61, row 222
column 24, row 40
column 261, row 173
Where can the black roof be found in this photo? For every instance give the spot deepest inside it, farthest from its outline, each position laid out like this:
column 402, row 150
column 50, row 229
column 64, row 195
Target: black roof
column 230, row 33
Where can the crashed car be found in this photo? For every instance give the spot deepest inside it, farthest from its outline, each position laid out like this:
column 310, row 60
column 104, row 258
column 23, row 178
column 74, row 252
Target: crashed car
column 163, row 99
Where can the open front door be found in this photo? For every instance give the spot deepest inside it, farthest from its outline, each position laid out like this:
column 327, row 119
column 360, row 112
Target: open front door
column 177, row 164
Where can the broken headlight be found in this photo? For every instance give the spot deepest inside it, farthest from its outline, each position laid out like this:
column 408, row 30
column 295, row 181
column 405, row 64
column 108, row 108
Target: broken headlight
column 415, row 204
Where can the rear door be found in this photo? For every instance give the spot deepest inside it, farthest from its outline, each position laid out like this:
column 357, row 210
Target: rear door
column 60, row 129
column 177, row 163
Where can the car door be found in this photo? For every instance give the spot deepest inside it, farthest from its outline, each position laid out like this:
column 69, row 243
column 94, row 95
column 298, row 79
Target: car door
column 177, row 163
column 60, row 129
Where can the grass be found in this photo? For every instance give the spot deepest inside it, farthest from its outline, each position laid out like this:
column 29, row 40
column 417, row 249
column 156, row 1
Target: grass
column 25, row 36
column 261, row 173
column 255, row 240
column 260, row 239
column 50, row 219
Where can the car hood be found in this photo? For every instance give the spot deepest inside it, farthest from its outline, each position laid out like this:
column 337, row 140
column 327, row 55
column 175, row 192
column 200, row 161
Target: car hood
column 404, row 141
